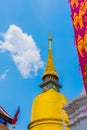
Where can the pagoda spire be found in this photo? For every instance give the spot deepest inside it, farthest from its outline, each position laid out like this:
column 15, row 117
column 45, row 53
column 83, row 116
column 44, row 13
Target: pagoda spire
column 50, row 71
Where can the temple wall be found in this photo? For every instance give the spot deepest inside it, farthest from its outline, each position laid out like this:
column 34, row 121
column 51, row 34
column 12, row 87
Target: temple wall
column 77, row 112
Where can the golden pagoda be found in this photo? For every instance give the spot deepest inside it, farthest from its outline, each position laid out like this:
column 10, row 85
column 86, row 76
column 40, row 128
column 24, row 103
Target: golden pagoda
column 47, row 112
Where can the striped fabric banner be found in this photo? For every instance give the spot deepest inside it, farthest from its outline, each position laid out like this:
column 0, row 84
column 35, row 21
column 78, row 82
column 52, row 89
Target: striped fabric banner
column 79, row 20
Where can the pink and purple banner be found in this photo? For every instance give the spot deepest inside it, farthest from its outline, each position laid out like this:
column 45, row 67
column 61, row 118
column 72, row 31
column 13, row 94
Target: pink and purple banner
column 79, row 20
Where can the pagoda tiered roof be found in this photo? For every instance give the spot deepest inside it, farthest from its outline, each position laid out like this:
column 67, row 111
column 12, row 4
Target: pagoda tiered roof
column 5, row 116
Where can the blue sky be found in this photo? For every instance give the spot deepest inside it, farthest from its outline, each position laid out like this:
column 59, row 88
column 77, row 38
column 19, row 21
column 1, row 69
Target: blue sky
column 24, row 28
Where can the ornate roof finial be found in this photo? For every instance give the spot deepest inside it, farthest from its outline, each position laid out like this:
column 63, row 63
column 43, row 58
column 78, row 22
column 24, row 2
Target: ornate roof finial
column 50, row 69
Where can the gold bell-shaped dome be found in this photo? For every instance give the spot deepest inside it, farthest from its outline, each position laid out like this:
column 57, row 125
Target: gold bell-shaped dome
column 47, row 112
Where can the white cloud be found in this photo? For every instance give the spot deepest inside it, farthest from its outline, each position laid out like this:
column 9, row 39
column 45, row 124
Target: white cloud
column 3, row 76
column 23, row 50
